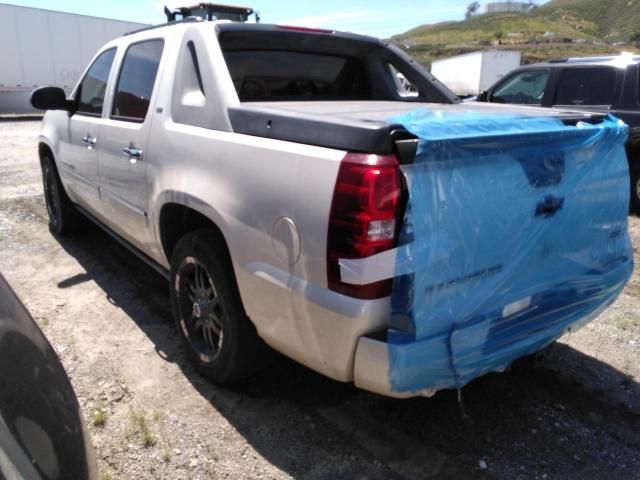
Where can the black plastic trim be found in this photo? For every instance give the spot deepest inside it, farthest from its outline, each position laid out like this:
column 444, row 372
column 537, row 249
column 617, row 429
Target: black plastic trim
column 236, row 36
column 196, row 65
column 331, row 132
column 345, row 134
column 587, row 117
column 405, row 144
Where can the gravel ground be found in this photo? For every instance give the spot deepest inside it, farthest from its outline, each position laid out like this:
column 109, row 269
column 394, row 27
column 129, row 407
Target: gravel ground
column 573, row 414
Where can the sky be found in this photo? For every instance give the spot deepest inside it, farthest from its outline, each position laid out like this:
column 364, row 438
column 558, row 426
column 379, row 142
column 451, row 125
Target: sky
column 381, row 18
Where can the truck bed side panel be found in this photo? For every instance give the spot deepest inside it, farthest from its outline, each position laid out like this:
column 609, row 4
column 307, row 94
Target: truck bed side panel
column 247, row 186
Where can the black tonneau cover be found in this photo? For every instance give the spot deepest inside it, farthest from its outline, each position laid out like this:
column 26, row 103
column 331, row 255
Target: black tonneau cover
column 360, row 126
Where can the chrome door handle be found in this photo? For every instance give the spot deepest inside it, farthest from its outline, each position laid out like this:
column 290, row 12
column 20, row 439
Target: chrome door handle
column 132, row 152
column 89, row 140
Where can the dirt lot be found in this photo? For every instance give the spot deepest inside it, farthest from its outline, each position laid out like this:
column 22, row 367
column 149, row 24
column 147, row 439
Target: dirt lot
column 575, row 414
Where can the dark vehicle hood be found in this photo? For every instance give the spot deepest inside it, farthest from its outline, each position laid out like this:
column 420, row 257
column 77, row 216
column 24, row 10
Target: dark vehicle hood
column 42, row 433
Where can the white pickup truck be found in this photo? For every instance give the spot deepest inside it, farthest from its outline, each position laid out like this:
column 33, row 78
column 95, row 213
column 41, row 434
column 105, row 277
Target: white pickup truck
column 249, row 164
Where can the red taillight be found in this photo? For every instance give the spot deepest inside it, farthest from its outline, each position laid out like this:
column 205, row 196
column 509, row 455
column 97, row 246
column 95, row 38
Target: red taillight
column 364, row 217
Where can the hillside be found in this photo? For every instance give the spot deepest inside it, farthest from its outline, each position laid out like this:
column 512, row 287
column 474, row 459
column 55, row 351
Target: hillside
column 613, row 20
column 559, row 28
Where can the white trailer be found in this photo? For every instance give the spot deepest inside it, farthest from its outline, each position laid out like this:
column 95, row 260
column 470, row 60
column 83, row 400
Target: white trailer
column 471, row 73
column 43, row 47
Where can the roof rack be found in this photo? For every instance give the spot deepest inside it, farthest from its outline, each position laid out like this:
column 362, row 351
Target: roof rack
column 168, row 24
column 602, row 58
column 202, row 12
column 213, row 11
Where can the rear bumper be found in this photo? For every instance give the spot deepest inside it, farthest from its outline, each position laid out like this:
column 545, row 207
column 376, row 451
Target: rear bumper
column 401, row 367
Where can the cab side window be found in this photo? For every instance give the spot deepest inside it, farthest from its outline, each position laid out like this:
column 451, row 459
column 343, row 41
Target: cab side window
column 94, row 85
column 524, row 88
column 586, row 86
column 136, row 80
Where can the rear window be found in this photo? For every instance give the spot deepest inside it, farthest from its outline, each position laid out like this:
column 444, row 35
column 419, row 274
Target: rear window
column 288, row 75
column 586, row 86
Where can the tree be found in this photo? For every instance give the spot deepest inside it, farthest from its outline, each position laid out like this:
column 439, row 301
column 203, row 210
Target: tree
column 472, row 9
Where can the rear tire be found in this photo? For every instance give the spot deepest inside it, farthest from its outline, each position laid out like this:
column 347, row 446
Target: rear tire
column 634, row 202
column 218, row 337
column 63, row 216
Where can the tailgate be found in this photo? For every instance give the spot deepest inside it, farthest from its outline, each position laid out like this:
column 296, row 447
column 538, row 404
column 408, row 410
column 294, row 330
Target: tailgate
column 515, row 231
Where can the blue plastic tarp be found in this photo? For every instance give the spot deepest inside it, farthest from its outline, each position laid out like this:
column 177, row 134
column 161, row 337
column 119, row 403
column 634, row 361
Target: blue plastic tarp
column 515, row 231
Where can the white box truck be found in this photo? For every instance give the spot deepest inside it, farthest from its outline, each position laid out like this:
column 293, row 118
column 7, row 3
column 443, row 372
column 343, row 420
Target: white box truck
column 43, row 47
column 469, row 74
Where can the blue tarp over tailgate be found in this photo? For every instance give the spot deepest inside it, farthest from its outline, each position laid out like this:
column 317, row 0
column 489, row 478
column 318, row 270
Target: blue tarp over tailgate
column 515, row 231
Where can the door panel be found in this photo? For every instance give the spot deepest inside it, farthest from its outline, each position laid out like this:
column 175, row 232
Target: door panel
column 79, row 160
column 122, row 168
column 79, row 144
column 123, row 177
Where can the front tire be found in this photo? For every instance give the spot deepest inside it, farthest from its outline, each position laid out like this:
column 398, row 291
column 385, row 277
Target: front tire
column 634, row 203
column 63, row 216
column 218, row 337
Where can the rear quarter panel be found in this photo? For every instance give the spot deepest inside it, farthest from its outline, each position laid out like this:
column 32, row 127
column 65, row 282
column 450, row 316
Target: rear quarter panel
column 246, row 185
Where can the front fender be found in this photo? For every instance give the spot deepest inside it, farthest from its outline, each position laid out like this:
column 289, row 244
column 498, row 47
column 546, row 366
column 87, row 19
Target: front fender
column 53, row 123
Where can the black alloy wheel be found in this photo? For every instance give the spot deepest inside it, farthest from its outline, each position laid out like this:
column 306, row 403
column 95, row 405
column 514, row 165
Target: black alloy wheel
column 219, row 338
column 200, row 311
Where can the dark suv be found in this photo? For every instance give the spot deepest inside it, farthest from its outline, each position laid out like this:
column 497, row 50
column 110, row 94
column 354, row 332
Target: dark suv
column 601, row 84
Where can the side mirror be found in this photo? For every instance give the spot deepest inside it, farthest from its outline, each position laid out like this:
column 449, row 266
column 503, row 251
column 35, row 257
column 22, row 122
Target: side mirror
column 50, row 98
column 482, row 96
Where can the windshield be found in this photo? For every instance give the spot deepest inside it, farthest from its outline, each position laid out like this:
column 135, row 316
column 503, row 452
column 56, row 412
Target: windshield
column 526, row 88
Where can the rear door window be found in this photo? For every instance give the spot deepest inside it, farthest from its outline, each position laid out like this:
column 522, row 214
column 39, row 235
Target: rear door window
column 136, row 80
column 289, row 75
column 524, row 88
column 586, row 86
column 94, row 85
